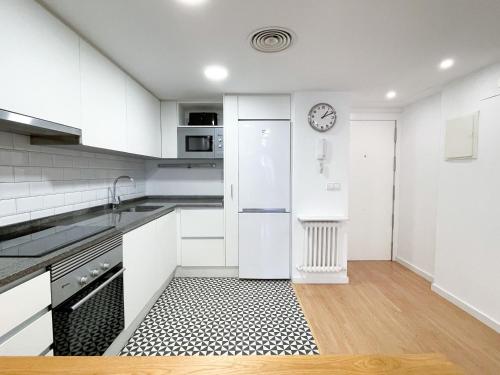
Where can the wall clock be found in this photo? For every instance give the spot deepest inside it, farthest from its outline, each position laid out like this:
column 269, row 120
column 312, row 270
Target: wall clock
column 322, row 117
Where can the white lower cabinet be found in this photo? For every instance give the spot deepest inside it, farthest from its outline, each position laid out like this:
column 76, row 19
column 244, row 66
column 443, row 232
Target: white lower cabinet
column 32, row 340
column 24, row 335
column 203, row 252
column 202, row 237
column 149, row 257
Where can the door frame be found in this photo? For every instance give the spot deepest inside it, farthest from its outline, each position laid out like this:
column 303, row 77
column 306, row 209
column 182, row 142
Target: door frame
column 390, row 115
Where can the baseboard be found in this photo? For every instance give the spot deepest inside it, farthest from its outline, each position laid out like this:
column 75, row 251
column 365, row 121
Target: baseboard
column 321, row 278
column 426, row 275
column 123, row 338
column 490, row 322
column 206, row 272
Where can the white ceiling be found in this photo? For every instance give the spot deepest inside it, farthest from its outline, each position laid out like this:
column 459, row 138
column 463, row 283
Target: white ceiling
column 363, row 46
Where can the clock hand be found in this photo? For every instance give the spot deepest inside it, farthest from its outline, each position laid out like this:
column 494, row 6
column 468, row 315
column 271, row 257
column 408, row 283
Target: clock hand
column 327, row 114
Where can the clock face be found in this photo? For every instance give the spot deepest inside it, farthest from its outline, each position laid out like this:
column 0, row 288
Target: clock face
column 322, row 117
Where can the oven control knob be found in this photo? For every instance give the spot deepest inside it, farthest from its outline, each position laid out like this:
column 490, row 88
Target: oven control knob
column 94, row 273
column 83, row 280
column 105, row 266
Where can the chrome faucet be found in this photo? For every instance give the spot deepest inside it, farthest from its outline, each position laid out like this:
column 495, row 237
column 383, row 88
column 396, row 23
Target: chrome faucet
column 116, row 200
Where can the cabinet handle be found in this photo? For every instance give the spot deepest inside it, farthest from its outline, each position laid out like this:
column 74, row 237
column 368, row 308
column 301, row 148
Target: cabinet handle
column 231, row 191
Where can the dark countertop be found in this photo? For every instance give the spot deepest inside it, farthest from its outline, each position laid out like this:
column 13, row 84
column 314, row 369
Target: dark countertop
column 15, row 270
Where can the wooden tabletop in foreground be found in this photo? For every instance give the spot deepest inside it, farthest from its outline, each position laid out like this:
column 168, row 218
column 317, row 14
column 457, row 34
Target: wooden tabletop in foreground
column 427, row 364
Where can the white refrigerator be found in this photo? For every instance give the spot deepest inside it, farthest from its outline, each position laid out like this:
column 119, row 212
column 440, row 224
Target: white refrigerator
column 264, row 199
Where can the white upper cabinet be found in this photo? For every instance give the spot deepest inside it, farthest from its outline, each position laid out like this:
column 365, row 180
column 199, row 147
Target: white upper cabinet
column 104, row 122
column 39, row 64
column 264, row 107
column 143, row 121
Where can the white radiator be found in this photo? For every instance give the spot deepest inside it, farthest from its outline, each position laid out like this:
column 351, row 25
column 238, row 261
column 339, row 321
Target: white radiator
column 324, row 249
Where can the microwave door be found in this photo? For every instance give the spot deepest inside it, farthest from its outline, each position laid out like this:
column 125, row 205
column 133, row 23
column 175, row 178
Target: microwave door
column 195, row 143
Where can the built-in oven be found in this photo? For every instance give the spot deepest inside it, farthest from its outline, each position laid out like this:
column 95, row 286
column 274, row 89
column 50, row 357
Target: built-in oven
column 200, row 143
column 87, row 299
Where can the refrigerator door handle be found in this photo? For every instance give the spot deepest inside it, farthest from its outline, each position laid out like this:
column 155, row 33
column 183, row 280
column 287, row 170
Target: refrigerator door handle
column 263, row 210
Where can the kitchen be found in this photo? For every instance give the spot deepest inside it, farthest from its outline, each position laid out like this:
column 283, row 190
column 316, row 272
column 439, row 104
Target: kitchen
column 173, row 205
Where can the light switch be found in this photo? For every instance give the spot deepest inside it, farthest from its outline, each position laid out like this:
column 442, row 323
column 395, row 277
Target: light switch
column 333, row 186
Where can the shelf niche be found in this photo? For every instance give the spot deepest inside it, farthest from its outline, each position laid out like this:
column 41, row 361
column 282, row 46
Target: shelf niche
column 184, row 108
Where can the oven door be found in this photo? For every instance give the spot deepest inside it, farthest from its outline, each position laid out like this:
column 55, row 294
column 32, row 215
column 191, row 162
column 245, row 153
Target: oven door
column 195, row 143
column 89, row 321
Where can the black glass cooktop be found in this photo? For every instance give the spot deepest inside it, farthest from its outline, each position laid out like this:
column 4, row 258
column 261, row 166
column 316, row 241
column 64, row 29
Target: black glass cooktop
column 39, row 241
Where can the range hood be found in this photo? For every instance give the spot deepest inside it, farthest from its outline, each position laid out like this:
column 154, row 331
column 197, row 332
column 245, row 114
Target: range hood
column 41, row 132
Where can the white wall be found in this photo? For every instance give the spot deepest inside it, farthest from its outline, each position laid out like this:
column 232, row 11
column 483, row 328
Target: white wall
column 39, row 181
column 184, row 181
column 467, row 202
column 419, row 150
column 468, row 210
column 309, row 194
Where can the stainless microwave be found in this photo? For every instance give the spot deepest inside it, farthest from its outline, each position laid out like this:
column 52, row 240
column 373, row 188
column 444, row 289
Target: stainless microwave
column 200, row 143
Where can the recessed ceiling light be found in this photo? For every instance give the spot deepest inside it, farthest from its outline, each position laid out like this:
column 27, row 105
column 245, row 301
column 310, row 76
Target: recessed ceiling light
column 446, row 64
column 192, row 2
column 216, row 72
column 390, row 94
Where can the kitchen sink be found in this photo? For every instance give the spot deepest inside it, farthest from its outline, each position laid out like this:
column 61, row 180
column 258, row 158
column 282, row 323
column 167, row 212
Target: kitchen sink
column 140, row 209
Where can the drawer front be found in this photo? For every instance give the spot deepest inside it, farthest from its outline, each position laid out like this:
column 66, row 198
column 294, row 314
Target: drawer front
column 203, row 252
column 23, row 301
column 31, row 340
column 202, row 223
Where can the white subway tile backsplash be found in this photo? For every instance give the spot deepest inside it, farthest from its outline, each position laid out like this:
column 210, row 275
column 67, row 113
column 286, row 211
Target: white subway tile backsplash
column 29, row 204
column 41, row 188
column 52, row 174
column 7, row 220
column 39, row 181
column 63, row 161
column 39, row 159
column 6, row 140
column 14, row 190
column 13, row 157
column 89, row 195
column 7, row 207
column 63, row 209
column 41, row 213
column 71, row 174
column 73, row 198
column 53, row 200
column 27, row 174
column 6, row 174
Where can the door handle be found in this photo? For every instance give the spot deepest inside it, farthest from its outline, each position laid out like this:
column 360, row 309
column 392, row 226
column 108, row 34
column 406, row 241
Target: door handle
column 96, row 290
column 264, row 210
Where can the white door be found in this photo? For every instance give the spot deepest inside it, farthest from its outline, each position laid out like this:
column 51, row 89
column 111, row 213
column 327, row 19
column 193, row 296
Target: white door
column 264, row 244
column 264, row 165
column 371, row 190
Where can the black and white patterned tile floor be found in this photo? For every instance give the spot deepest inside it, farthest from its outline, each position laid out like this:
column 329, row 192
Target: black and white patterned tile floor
column 223, row 316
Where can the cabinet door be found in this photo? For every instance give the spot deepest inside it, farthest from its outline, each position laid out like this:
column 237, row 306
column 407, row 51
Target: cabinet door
column 169, row 122
column 264, row 107
column 138, row 258
column 39, row 67
column 167, row 246
column 143, row 120
column 32, row 340
column 231, row 179
column 103, row 101
column 208, row 252
column 23, row 301
column 205, row 222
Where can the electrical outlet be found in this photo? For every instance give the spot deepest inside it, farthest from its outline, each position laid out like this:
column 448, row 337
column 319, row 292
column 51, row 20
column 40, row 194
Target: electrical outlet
column 333, row 186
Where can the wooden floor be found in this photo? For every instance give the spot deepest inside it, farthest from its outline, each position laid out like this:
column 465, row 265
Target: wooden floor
column 388, row 309
column 425, row 364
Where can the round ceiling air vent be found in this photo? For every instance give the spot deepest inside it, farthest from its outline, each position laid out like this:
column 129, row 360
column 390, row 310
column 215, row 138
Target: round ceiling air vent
column 271, row 39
